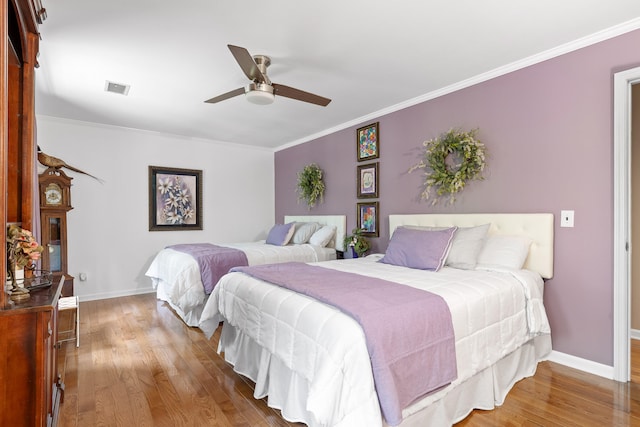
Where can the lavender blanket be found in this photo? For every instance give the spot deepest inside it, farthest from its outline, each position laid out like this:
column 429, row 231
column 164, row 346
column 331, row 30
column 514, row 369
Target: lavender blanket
column 409, row 331
column 214, row 261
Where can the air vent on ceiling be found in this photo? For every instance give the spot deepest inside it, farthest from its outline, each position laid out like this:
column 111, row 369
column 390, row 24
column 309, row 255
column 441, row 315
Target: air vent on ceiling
column 118, row 88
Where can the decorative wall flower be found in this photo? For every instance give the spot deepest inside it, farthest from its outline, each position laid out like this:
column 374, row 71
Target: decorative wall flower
column 450, row 160
column 310, row 184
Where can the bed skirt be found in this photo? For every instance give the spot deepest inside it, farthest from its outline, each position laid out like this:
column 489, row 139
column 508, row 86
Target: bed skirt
column 287, row 391
column 191, row 317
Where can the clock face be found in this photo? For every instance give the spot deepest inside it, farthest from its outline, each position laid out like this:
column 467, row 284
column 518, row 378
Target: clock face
column 53, row 194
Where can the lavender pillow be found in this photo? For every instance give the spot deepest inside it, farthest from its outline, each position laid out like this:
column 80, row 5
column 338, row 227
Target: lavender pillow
column 421, row 249
column 466, row 245
column 280, row 234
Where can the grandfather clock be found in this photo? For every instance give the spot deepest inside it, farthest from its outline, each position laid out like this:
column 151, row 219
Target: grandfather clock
column 55, row 202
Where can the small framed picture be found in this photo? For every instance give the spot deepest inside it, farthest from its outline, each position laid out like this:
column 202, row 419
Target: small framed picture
column 368, row 142
column 175, row 199
column 368, row 180
column 368, row 218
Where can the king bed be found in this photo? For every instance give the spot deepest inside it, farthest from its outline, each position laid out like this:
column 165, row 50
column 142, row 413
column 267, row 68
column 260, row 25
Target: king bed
column 184, row 275
column 317, row 365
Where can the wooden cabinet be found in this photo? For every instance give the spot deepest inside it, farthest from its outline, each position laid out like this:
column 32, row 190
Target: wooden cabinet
column 30, row 388
column 30, row 392
column 19, row 39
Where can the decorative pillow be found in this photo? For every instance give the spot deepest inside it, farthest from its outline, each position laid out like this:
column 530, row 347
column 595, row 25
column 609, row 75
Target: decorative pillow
column 280, row 234
column 421, row 249
column 466, row 245
column 502, row 251
column 323, row 236
column 303, row 232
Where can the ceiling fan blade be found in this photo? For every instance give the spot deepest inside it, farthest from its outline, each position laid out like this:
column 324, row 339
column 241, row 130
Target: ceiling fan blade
column 246, row 62
column 300, row 95
column 235, row 92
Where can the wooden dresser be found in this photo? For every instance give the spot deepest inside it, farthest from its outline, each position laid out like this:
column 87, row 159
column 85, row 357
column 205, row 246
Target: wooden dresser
column 30, row 388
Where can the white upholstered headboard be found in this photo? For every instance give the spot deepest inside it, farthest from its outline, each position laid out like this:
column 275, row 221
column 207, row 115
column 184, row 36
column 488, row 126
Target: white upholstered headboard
column 340, row 221
column 537, row 226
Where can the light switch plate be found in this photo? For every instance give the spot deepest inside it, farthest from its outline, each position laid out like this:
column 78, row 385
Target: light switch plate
column 566, row 218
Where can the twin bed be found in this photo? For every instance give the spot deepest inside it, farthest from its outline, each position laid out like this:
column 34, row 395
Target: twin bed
column 177, row 278
column 315, row 364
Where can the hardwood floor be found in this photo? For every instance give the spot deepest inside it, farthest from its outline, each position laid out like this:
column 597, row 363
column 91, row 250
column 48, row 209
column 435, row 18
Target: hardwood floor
column 139, row 365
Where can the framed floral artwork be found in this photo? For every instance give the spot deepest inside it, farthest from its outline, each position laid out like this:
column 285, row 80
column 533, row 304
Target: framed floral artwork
column 368, row 213
column 368, row 142
column 175, row 199
column 368, row 180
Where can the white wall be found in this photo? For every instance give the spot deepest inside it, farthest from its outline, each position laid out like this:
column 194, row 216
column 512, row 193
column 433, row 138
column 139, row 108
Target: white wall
column 108, row 235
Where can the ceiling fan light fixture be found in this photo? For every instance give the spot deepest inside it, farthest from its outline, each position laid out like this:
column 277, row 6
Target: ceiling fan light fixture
column 260, row 98
column 259, row 93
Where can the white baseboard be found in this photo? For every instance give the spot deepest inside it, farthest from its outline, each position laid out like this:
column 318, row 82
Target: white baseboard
column 635, row 334
column 107, row 295
column 582, row 364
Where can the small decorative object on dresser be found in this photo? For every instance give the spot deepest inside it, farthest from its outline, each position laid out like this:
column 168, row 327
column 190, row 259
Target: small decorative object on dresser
column 175, row 199
column 22, row 251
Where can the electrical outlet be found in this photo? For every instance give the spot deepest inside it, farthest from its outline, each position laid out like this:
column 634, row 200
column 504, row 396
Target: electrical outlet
column 566, row 218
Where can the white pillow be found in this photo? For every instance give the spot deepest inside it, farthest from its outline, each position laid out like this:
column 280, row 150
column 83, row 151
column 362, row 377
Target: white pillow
column 501, row 251
column 323, row 236
column 304, row 231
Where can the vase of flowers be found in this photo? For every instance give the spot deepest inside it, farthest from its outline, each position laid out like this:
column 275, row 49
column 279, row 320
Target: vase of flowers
column 358, row 243
column 22, row 252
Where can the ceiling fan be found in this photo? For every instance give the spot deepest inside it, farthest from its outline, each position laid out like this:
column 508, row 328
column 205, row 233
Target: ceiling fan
column 261, row 90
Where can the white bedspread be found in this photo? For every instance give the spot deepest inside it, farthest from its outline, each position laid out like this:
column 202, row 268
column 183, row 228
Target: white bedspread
column 176, row 275
column 493, row 314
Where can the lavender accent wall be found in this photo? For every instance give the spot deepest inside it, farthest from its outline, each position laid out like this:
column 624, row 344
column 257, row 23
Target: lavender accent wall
column 548, row 132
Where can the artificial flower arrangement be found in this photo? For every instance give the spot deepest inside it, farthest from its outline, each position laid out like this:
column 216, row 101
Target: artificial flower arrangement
column 358, row 243
column 450, row 160
column 22, row 250
column 310, row 184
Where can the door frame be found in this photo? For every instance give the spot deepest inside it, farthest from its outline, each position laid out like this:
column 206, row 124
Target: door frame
column 622, row 222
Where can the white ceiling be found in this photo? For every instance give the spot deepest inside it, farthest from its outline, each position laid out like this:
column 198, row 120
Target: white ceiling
column 368, row 56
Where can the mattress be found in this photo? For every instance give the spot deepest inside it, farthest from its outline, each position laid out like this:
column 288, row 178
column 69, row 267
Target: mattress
column 313, row 350
column 176, row 276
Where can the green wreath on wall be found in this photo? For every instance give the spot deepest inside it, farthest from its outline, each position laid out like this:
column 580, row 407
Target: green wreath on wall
column 310, row 185
column 449, row 161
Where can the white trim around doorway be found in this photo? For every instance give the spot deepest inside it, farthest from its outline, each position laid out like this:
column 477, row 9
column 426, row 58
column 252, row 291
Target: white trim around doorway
column 621, row 221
